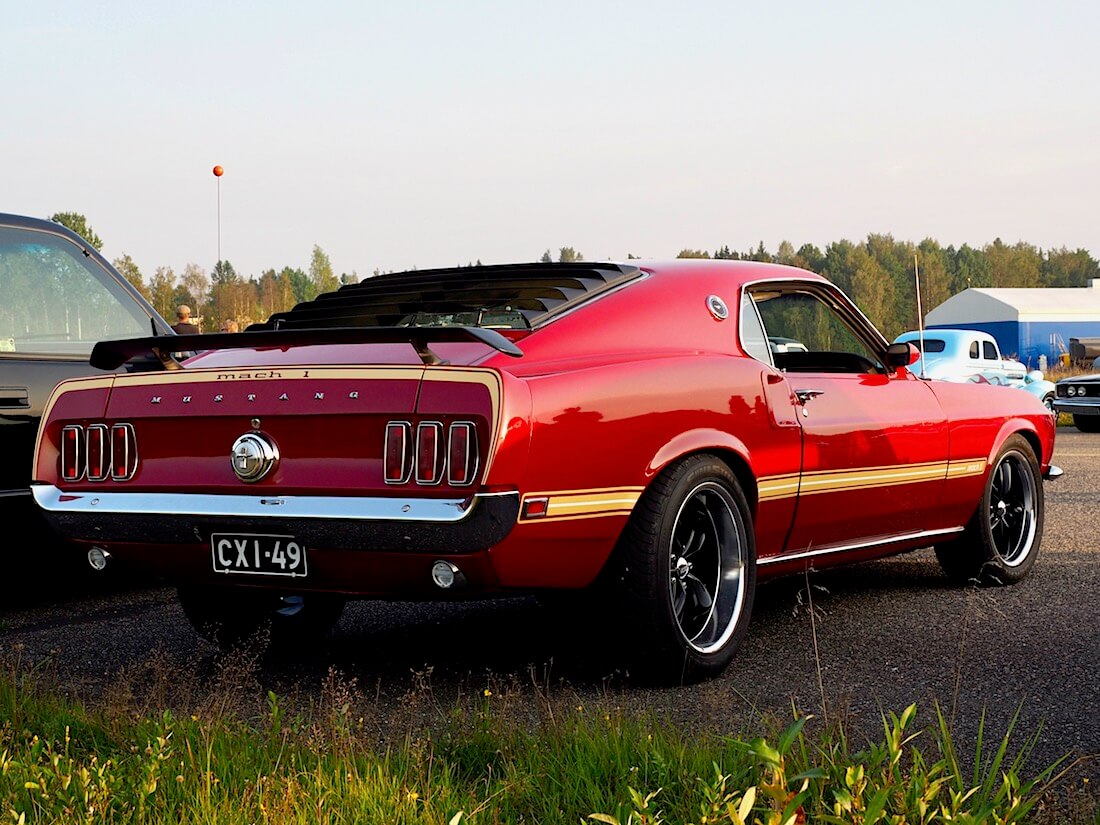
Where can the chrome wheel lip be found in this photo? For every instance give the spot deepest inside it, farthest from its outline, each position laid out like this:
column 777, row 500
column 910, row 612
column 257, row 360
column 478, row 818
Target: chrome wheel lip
column 1013, row 508
column 724, row 581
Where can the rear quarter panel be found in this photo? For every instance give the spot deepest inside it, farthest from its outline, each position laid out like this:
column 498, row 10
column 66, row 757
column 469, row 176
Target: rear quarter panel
column 600, row 435
column 617, row 395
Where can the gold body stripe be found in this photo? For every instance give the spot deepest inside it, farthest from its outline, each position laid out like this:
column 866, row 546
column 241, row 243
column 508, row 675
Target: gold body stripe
column 617, row 501
column 574, row 504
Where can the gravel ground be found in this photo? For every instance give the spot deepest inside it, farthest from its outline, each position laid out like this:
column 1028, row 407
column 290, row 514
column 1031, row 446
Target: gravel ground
column 881, row 635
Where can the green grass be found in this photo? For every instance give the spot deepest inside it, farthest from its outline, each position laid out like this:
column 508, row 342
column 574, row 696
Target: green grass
column 502, row 756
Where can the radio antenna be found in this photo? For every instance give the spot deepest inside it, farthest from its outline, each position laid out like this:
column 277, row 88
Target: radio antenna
column 920, row 313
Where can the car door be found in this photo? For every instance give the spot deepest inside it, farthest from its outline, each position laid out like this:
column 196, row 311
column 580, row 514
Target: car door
column 59, row 298
column 874, row 440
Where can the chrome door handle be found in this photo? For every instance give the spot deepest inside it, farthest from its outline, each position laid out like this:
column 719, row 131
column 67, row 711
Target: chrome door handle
column 807, row 395
column 16, row 398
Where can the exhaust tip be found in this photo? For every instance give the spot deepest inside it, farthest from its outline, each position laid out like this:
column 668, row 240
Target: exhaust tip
column 447, row 576
column 98, row 558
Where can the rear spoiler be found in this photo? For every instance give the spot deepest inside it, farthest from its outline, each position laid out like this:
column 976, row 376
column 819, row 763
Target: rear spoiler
column 110, row 355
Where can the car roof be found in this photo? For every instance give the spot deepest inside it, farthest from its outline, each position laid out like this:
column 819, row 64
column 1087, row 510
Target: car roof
column 537, row 291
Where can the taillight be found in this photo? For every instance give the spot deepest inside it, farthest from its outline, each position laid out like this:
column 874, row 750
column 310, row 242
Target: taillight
column 437, row 452
column 98, row 452
column 72, row 453
column 398, row 456
column 123, row 452
column 461, row 454
column 429, row 453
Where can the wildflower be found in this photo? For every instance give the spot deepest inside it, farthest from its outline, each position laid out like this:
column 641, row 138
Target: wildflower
column 487, row 693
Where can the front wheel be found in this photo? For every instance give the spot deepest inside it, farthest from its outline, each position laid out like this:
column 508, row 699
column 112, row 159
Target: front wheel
column 1001, row 541
column 231, row 617
column 1087, row 423
column 687, row 572
column 1048, row 402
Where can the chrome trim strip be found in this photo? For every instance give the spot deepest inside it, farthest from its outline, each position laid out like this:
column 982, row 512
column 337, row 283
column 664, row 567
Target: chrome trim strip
column 1076, row 407
column 807, row 554
column 345, row 508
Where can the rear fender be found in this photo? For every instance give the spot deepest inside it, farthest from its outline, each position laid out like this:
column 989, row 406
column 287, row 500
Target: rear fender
column 708, row 440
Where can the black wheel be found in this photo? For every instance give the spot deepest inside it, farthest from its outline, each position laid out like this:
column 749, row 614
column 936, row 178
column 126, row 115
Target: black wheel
column 231, row 617
column 687, row 572
column 1048, row 402
column 1001, row 542
column 1087, row 423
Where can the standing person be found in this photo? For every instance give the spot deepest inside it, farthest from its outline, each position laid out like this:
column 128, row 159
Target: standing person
column 184, row 325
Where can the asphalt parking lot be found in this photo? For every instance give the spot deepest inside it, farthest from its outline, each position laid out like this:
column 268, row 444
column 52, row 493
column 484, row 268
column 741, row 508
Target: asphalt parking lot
column 881, row 635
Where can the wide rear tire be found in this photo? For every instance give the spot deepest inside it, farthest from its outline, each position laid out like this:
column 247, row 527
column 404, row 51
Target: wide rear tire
column 1001, row 541
column 686, row 573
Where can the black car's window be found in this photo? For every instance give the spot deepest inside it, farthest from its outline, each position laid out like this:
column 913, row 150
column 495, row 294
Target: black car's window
column 989, row 351
column 55, row 301
column 824, row 342
column 930, row 344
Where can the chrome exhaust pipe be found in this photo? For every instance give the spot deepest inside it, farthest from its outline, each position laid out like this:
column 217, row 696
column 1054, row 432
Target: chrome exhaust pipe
column 98, row 558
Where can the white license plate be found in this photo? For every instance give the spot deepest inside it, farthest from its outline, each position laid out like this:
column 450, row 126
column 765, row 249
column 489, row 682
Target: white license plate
column 258, row 554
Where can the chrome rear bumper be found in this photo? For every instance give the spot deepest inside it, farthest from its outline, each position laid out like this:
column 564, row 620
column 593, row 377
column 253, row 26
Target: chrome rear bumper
column 455, row 525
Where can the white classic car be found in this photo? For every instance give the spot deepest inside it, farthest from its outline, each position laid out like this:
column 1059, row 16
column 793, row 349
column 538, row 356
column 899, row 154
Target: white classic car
column 971, row 355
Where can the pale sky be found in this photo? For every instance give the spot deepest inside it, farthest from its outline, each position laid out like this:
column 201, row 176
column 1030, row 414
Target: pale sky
column 422, row 134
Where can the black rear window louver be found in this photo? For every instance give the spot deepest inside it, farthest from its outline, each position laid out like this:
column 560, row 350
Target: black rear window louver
column 531, row 293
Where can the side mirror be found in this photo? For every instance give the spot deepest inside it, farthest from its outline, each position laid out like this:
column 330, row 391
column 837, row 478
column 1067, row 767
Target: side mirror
column 902, row 355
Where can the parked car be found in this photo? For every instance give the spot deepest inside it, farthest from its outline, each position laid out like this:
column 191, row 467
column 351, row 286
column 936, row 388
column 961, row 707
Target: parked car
column 618, row 429
column 780, row 344
column 1079, row 396
column 60, row 296
column 973, row 355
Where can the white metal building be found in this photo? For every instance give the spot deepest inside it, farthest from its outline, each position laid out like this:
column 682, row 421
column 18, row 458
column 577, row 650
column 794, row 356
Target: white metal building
column 1027, row 323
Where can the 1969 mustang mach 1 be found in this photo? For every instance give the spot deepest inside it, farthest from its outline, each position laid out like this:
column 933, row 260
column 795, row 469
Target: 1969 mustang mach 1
column 623, row 428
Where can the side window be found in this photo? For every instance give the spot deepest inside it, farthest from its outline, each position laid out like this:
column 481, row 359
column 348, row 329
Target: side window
column 989, row 351
column 753, row 340
column 974, row 350
column 57, row 302
column 806, row 335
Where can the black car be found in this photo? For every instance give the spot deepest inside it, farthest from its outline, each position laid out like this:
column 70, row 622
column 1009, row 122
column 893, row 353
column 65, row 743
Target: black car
column 1079, row 395
column 58, row 297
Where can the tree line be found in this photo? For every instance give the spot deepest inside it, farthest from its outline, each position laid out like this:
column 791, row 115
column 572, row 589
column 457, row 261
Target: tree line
column 878, row 274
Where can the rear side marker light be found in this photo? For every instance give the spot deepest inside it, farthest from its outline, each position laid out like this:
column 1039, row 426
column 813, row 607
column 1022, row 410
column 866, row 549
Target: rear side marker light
column 397, row 463
column 535, row 507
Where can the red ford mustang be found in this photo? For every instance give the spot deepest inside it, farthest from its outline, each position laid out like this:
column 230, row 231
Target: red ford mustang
column 631, row 429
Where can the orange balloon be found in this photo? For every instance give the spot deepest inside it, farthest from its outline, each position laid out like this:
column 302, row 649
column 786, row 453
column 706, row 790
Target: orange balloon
column 218, row 171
